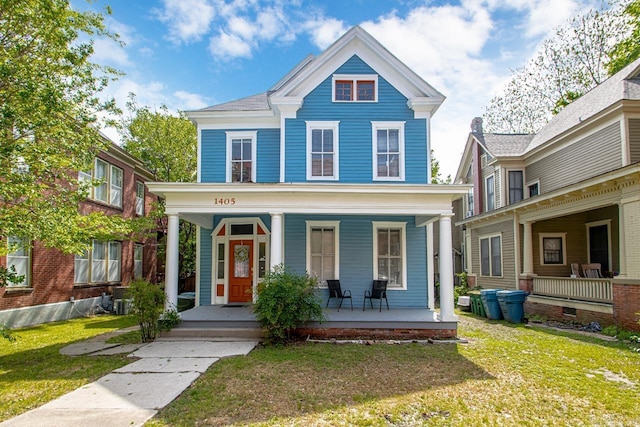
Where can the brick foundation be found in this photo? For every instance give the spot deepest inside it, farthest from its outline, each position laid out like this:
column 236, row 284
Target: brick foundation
column 385, row 334
column 552, row 312
column 626, row 303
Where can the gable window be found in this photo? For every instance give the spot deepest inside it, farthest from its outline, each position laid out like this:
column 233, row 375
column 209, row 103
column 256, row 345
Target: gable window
column 491, row 256
column 490, row 202
column 19, row 260
column 138, row 256
column 388, row 151
column 516, row 186
column 534, row 189
column 552, row 248
column 322, row 150
column 355, row 88
column 241, row 156
column 139, row 198
column 389, row 253
column 323, row 239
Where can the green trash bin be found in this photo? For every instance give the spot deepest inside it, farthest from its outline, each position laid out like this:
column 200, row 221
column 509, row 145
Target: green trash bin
column 512, row 305
column 476, row 304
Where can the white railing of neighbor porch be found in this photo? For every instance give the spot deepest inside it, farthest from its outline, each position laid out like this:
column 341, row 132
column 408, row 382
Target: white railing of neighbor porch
column 595, row 290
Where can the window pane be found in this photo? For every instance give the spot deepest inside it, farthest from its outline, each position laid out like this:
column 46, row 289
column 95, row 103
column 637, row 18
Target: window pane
column 395, row 272
column 316, row 241
column 394, row 165
column 394, row 144
column 383, row 242
column 496, row 262
column 81, row 268
column 241, row 261
column 327, row 241
column 382, row 140
column 327, row 143
column 316, row 165
column 484, row 257
column 343, row 90
column 246, row 172
column 316, row 266
column 98, row 262
column 246, row 149
column 236, row 149
column 366, row 91
column 327, row 165
column 383, row 268
column 115, row 252
column 316, row 140
column 394, row 243
column 328, row 264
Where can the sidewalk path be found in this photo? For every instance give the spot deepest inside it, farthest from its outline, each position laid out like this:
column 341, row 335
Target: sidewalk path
column 132, row 394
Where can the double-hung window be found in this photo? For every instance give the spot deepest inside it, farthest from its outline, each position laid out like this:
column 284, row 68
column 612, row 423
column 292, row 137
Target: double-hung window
column 390, row 253
column 241, row 156
column 109, row 182
column 138, row 257
column 516, row 186
column 322, row 151
column 101, row 190
column 323, row 254
column 19, row 260
column 139, row 198
column 388, row 151
column 115, row 189
column 553, row 248
column 100, row 264
column 355, row 88
column 491, row 256
column 490, row 191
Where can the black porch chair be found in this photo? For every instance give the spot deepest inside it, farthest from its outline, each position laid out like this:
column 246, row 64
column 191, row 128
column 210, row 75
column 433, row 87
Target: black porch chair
column 378, row 291
column 335, row 291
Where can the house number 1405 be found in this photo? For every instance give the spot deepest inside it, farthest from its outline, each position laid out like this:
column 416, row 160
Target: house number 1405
column 221, row 201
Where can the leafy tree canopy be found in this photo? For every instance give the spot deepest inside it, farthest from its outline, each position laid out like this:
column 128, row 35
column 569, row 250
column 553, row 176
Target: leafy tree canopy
column 627, row 50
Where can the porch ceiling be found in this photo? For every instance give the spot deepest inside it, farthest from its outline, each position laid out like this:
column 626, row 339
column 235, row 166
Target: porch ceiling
column 196, row 202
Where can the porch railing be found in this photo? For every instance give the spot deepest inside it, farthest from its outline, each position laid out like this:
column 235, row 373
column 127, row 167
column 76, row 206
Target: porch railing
column 593, row 290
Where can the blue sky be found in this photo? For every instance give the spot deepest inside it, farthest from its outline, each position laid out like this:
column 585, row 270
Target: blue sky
column 188, row 54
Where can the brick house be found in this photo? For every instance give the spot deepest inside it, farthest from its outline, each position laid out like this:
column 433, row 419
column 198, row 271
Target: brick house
column 57, row 286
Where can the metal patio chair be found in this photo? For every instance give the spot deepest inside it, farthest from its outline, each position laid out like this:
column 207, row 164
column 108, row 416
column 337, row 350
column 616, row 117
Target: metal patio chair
column 378, row 291
column 335, row 291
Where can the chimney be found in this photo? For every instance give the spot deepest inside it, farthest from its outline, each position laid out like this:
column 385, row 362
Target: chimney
column 476, row 125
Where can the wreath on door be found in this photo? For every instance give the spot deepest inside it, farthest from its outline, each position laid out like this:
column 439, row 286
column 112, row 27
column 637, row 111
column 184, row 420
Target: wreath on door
column 242, row 253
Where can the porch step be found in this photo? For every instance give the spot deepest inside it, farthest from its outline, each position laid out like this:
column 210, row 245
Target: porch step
column 213, row 332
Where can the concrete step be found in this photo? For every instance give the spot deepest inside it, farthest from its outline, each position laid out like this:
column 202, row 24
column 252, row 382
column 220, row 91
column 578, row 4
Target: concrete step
column 211, row 332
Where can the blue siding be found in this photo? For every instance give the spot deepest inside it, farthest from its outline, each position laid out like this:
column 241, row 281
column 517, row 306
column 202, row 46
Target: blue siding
column 214, row 152
column 205, row 266
column 355, row 143
column 356, row 256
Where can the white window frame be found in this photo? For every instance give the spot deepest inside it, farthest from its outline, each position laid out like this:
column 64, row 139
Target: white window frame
column 377, row 225
column 104, row 181
column 486, row 193
column 320, row 125
column 115, row 191
column 489, row 237
column 529, row 184
column 114, row 264
column 336, row 230
column 354, row 79
column 107, row 262
column 138, row 260
column 139, row 198
column 562, row 236
column 12, row 242
column 253, row 135
column 83, row 259
column 375, row 126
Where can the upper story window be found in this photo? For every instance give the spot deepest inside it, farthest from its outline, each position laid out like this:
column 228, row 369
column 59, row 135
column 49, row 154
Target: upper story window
column 388, row 151
column 469, row 203
column 490, row 202
column 241, row 156
column 355, row 88
column 138, row 257
column 323, row 242
column 534, row 189
column 516, row 186
column 322, row 150
column 139, row 198
column 109, row 187
column 19, row 260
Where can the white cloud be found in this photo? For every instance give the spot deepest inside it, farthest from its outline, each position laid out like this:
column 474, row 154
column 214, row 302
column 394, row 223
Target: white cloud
column 189, row 101
column 325, row 31
column 188, row 20
column 226, row 46
column 106, row 51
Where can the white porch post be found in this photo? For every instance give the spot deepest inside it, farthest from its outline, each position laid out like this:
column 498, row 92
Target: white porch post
column 277, row 245
column 527, row 244
column 447, row 313
column 171, row 267
column 431, row 288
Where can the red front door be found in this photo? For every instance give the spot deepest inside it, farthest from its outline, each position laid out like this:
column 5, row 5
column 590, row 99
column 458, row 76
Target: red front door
column 240, row 270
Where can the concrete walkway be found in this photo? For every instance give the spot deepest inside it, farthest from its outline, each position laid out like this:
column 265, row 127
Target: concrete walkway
column 132, row 394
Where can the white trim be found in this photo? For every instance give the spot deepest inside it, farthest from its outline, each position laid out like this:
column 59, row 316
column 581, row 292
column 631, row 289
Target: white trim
column 541, row 238
column 508, row 185
column 321, row 125
column 528, row 189
column 198, row 272
column 354, row 79
column 20, row 244
column 403, row 229
column 486, row 193
column 253, row 135
column 490, row 236
column 375, row 126
column 589, row 225
column 199, row 153
column 325, row 224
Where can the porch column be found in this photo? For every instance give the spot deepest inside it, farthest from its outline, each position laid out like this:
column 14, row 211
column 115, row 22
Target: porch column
column 446, row 271
column 622, row 242
column 171, row 267
column 431, row 288
column 527, row 244
column 277, row 244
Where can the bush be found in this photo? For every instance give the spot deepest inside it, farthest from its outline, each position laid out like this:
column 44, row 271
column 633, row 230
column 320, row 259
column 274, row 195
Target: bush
column 147, row 304
column 6, row 333
column 169, row 319
column 284, row 301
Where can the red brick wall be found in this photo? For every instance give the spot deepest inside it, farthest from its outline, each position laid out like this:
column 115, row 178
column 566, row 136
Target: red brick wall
column 383, row 334
column 626, row 300
column 52, row 272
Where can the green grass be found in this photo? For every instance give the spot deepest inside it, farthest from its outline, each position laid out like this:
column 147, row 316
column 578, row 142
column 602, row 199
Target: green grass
column 506, row 375
column 33, row 372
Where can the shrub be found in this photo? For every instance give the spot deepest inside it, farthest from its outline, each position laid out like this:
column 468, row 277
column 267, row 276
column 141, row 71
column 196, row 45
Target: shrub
column 6, row 333
column 147, row 304
column 169, row 319
column 284, row 301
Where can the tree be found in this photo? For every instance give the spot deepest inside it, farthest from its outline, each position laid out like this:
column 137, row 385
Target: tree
column 167, row 145
column 628, row 49
column 49, row 104
column 436, row 176
column 567, row 65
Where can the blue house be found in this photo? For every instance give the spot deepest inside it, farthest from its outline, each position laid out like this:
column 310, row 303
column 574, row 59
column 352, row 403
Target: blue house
column 326, row 172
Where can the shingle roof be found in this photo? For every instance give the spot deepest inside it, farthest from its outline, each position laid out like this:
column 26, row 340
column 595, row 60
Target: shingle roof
column 250, row 103
column 499, row 144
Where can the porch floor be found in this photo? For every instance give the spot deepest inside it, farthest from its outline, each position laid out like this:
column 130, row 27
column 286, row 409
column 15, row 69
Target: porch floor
column 397, row 323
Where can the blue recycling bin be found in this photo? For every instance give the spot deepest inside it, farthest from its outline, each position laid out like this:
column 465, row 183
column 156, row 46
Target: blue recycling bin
column 490, row 302
column 512, row 305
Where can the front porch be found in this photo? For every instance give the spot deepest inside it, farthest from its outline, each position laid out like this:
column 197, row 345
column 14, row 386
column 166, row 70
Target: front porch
column 240, row 322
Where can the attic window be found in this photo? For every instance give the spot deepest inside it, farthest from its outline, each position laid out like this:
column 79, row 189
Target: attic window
column 355, row 88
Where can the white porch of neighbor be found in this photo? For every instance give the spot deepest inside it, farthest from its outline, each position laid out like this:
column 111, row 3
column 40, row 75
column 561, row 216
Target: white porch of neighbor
column 197, row 202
